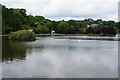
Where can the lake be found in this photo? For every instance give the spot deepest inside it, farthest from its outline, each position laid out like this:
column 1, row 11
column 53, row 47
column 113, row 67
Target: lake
column 60, row 57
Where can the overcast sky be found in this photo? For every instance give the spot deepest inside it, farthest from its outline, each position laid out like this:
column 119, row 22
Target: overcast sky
column 68, row 9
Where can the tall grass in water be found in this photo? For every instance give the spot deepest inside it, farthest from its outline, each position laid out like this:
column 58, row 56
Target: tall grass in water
column 22, row 35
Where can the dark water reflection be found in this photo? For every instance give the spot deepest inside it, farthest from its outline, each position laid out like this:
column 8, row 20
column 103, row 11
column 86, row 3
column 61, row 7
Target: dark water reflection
column 53, row 57
column 14, row 50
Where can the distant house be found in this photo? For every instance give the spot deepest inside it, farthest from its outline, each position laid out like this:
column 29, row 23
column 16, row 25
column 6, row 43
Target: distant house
column 92, row 25
column 52, row 32
column 88, row 25
column 30, row 30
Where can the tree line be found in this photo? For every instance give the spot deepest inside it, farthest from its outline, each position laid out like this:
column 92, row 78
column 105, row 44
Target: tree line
column 17, row 19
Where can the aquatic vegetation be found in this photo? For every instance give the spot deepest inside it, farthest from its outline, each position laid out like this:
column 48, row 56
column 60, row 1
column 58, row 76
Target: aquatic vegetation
column 22, row 35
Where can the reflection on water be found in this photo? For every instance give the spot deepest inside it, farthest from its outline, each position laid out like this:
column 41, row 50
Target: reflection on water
column 13, row 50
column 52, row 57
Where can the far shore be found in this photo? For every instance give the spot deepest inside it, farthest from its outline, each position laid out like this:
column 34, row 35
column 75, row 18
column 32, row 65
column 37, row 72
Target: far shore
column 65, row 35
column 96, row 37
column 74, row 35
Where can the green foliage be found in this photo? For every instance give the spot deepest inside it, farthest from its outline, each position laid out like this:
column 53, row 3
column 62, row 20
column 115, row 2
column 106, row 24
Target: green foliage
column 72, row 23
column 75, row 24
column 117, row 25
column 22, row 35
column 54, row 26
column 71, row 30
column 5, row 28
column 36, row 30
column 42, row 29
column 25, row 27
column 17, row 19
column 63, row 27
column 82, row 30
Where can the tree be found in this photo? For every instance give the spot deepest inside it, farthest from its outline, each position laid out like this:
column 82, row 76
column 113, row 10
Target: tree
column 17, row 19
column 21, row 14
column 71, row 30
column 117, row 25
column 42, row 29
column 63, row 27
column 83, row 30
column 74, row 24
column 108, row 30
column 90, row 30
column 97, row 30
column 111, row 23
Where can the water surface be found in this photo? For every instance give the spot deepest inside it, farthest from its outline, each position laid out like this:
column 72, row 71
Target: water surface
column 60, row 57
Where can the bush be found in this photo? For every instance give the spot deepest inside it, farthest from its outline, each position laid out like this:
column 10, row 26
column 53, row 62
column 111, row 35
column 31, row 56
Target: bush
column 90, row 30
column 103, row 31
column 108, row 30
column 22, row 35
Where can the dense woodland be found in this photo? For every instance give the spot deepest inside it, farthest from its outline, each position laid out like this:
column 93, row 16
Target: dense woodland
column 17, row 19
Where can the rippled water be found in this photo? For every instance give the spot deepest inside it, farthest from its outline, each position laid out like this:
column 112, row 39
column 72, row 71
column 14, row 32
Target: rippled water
column 60, row 57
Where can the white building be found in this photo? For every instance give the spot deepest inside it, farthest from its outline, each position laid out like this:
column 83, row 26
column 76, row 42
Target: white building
column 30, row 30
column 52, row 32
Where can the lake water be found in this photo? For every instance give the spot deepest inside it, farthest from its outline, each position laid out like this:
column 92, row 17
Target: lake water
column 60, row 57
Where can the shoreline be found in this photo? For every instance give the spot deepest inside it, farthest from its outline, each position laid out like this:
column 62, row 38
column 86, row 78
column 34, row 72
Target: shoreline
column 71, row 35
column 82, row 36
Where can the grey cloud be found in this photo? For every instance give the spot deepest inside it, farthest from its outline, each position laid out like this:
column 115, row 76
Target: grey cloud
column 69, row 8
